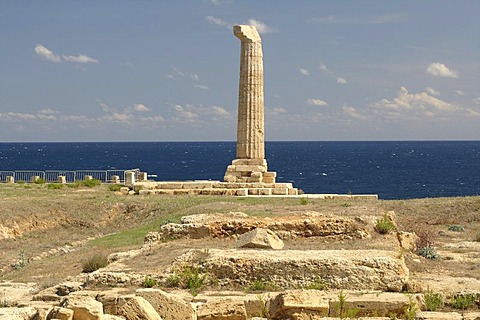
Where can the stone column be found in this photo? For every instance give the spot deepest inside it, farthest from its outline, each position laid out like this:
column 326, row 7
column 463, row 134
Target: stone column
column 250, row 165
column 250, row 122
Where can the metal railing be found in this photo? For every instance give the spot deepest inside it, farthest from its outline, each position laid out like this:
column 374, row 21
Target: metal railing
column 51, row 176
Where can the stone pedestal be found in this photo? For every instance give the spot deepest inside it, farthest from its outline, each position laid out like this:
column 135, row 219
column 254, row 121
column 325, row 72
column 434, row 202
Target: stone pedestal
column 62, row 179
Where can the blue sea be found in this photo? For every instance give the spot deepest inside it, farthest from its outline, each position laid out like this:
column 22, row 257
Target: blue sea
column 391, row 169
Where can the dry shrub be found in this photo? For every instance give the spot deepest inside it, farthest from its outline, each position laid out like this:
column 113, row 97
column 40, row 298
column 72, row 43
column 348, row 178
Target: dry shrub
column 426, row 236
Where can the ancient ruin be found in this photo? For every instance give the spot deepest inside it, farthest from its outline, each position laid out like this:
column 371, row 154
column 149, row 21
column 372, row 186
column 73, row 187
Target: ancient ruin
column 250, row 165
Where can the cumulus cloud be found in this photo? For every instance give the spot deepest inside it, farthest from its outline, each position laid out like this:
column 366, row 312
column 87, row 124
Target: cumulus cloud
column 476, row 101
column 175, row 74
column 262, row 28
column 303, row 71
column 417, row 105
column 432, row 91
column 47, row 54
column 217, row 21
column 140, row 107
column 341, row 80
column 316, row 102
column 80, row 59
column 352, row 112
column 440, row 70
column 460, row 92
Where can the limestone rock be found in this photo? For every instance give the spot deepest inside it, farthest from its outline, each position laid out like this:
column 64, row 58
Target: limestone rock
column 60, row 314
column 137, row 308
column 381, row 304
column 85, row 307
column 433, row 315
column 169, row 306
column 222, row 309
column 260, row 238
column 408, row 240
column 340, row 269
column 25, row 313
column 299, row 304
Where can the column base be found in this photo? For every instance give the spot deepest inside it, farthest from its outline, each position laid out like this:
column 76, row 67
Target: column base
column 249, row 171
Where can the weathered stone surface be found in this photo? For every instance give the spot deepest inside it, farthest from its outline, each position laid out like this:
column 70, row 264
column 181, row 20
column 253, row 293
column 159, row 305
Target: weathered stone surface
column 137, row 308
column 25, row 313
column 408, row 240
column 60, row 314
column 85, row 307
column 222, row 309
column 432, row 315
column 169, row 306
column 378, row 304
column 361, row 269
column 299, row 304
column 260, row 238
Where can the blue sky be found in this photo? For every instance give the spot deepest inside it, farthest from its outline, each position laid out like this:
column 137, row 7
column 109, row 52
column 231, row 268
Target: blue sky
column 168, row 70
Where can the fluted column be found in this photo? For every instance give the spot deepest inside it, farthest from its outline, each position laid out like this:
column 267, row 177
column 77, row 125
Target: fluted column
column 250, row 125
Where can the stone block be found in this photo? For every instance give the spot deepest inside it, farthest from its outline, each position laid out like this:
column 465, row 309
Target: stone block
column 60, row 313
column 339, row 269
column 137, row 308
column 241, row 192
column 115, row 179
column 270, row 174
column 170, row 185
column 169, row 306
column 225, row 308
column 280, row 191
column 293, row 192
column 9, row 179
column 130, row 177
column 303, row 304
column 261, row 239
column 381, row 305
column 250, row 168
column 142, row 176
column 268, row 180
column 250, row 162
column 85, row 307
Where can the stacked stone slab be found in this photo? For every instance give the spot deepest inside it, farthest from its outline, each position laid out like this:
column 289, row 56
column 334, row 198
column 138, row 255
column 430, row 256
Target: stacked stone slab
column 250, row 165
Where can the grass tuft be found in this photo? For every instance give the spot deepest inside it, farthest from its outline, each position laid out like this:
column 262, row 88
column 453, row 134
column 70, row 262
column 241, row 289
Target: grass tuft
column 384, row 225
column 95, row 262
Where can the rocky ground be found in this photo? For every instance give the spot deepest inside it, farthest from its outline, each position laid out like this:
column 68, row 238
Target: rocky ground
column 184, row 257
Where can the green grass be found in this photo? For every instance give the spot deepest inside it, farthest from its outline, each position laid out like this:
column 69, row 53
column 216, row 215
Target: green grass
column 384, row 225
column 433, row 301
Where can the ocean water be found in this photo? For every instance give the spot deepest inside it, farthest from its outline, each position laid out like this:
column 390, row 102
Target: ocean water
column 391, row 169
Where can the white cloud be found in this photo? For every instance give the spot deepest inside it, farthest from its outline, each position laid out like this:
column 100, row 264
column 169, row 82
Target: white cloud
column 303, row 71
column 331, row 74
column 352, row 112
column 48, row 111
column 194, row 76
column 45, row 53
column 476, row 101
column 472, row 112
column 460, row 92
column 440, row 70
column 432, row 91
column 201, row 86
column 316, row 102
column 217, row 21
column 219, row 111
column 141, row 107
column 341, row 80
column 262, row 28
column 279, row 110
column 175, row 74
column 417, row 104
column 80, row 59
